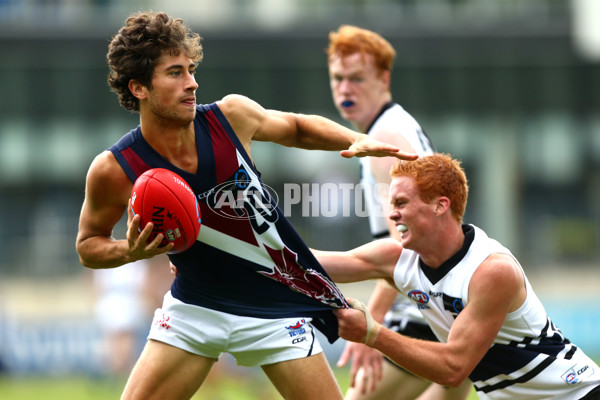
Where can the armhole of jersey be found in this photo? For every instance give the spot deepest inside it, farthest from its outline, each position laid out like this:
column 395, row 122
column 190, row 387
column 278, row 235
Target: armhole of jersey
column 123, row 163
column 232, row 136
column 404, row 259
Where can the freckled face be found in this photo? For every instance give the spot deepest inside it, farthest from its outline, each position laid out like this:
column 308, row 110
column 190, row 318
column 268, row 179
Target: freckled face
column 409, row 210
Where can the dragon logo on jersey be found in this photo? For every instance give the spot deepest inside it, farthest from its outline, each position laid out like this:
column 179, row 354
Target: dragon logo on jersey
column 309, row 282
column 162, row 320
column 245, row 198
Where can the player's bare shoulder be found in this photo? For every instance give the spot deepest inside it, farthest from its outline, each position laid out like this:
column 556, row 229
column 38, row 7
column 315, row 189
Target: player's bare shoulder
column 106, row 181
column 243, row 114
column 240, row 109
column 501, row 274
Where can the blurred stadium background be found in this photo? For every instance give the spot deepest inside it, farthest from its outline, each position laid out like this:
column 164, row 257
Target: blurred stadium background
column 510, row 87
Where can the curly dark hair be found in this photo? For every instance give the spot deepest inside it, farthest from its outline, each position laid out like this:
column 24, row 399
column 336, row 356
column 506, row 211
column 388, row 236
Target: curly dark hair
column 134, row 51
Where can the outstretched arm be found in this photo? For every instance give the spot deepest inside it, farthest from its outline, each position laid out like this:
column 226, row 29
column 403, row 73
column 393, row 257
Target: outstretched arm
column 373, row 260
column 251, row 121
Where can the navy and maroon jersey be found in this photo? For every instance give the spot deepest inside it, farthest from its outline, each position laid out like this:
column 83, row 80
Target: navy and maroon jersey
column 248, row 260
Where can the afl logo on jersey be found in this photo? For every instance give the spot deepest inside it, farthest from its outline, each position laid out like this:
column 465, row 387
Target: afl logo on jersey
column 241, row 197
column 419, row 296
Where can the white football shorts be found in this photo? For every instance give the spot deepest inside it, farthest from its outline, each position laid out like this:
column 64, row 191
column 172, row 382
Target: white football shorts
column 251, row 341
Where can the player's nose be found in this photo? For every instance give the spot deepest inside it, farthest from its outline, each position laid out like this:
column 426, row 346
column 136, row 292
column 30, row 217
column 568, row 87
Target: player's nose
column 191, row 83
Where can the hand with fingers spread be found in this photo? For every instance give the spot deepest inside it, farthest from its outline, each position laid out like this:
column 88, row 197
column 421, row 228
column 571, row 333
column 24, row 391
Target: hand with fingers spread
column 365, row 146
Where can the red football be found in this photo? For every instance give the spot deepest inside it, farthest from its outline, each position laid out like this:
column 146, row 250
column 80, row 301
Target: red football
column 162, row 197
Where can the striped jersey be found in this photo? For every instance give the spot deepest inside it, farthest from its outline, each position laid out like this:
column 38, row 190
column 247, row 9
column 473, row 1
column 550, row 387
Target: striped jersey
column 247, row 260
column 529, row 359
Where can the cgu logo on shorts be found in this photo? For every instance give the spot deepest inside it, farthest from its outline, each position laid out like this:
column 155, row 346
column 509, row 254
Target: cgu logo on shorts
column 576, row 374
column 296, row 329
column 420, row 297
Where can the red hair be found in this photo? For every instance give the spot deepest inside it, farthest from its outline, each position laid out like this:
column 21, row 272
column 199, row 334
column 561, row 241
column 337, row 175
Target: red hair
column 350, row 39
column 437, row 175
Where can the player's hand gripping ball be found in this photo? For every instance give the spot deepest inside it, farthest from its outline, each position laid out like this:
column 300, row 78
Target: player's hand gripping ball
column 162, row 197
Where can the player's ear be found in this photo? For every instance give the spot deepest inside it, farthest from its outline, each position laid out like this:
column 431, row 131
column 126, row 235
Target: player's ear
column 442, row 205
column 386, row 77
column 137, row 89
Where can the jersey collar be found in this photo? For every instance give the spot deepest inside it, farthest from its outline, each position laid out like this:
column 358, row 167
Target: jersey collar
column 385, row 107
column 436, row 274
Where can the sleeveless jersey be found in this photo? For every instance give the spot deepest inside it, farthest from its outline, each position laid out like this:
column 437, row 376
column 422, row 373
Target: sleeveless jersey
column 247, row 260
column 529, row 359
column 392, row 117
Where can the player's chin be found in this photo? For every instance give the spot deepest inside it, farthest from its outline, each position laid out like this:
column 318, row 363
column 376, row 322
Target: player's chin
column 405, row 238
column 407, row 241
column 187, row 117
column 191, row 111
column 188, row 107
column 346, row 113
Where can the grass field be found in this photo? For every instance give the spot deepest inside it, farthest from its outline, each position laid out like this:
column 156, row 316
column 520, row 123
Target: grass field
column 251, row 385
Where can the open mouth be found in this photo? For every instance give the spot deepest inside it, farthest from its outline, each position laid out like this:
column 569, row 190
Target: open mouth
column 347, row 103
column 401, row 228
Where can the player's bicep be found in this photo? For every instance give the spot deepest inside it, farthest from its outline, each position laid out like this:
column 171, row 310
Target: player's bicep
column 106, row 196
column 250, row 121
column 278, row 127
column 96, row 220
column 370, row 261
column 379, row 257
column 492, row 291
column 344, row 266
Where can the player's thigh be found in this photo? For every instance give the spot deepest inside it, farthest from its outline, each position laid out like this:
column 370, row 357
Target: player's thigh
column 439, row 392
column 395, row 383
column 166, row 372
column 305, row 378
